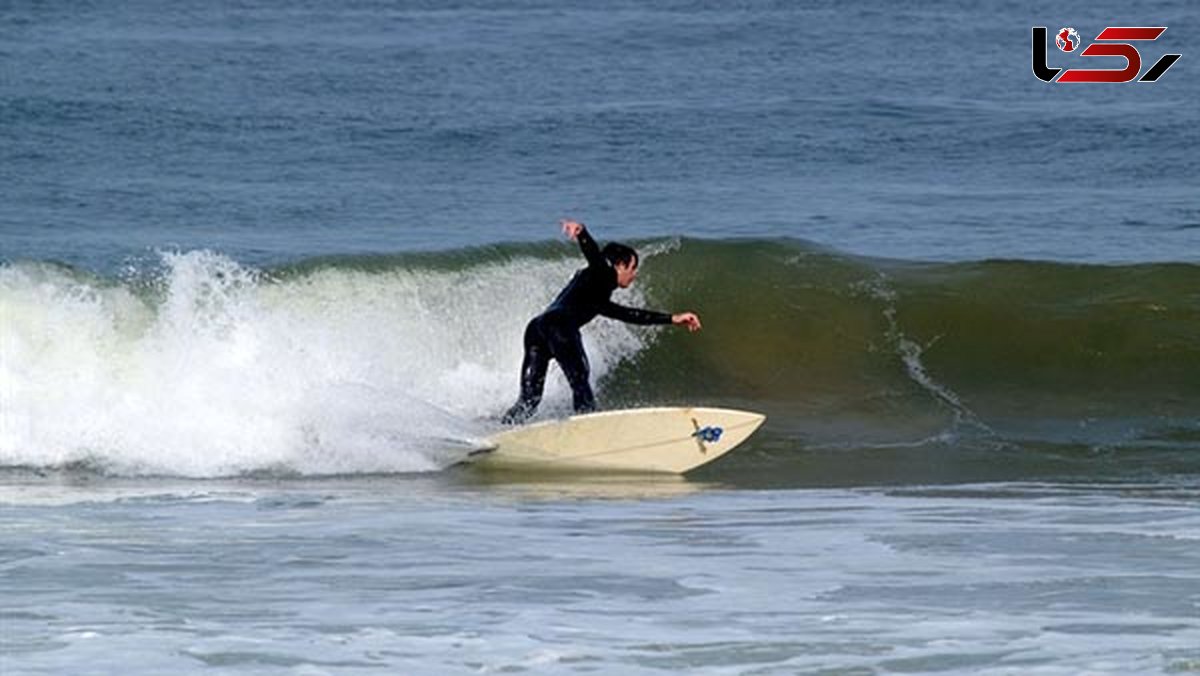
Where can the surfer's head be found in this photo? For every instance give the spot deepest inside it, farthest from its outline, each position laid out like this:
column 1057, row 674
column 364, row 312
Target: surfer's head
column 624, row 260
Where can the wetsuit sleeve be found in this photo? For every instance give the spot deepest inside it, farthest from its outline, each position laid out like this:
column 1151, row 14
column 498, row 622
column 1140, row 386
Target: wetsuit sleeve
column 591, row 250
column 634, row 315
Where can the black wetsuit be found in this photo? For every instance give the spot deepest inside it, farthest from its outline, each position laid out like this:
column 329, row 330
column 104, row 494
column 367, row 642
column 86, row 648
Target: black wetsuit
column 554, row 334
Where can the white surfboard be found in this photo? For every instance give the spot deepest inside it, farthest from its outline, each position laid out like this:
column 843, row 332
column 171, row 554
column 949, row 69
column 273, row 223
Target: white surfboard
column 672, row 440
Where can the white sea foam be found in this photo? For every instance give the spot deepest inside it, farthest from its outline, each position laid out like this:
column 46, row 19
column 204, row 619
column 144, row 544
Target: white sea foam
column 223, row 371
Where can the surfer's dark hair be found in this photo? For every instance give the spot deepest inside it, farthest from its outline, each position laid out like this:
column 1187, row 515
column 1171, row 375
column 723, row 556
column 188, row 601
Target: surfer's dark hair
column 619, row 253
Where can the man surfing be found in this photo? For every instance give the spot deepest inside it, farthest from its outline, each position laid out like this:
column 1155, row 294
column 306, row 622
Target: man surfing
column 554, row 334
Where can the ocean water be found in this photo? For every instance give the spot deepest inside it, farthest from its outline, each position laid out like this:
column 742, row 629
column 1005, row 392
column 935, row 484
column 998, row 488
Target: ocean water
column 409, row 575
column 265, row 266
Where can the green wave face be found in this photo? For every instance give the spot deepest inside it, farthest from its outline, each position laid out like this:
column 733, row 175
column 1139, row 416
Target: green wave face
column 893, row 349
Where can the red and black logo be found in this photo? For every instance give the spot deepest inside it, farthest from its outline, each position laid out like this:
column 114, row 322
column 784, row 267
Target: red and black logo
column 1112, row 41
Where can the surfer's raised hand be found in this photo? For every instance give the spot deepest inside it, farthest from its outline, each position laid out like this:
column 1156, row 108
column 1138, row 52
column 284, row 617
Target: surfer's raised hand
column 571, row 228
column 688, row 319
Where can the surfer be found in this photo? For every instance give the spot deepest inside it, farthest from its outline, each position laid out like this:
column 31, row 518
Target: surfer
column 554, row 334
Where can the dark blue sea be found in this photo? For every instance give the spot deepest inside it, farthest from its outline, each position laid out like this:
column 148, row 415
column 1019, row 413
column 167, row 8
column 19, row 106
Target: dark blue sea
column 265, row 268
column 275, row 132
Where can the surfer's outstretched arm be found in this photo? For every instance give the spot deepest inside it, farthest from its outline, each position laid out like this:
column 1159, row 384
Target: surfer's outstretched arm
column 634, row 315
column 577, row 231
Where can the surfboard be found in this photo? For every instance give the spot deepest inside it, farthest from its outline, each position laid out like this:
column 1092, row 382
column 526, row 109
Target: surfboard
column 665, row 440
